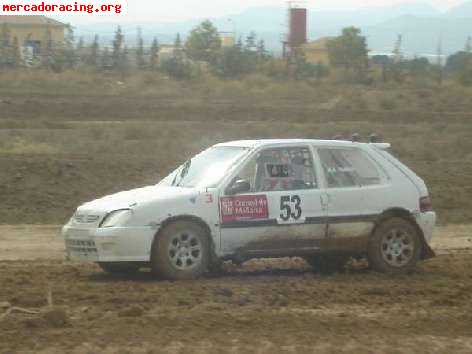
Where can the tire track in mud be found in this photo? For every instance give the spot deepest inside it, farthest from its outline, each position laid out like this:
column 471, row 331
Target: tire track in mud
column 266, row 306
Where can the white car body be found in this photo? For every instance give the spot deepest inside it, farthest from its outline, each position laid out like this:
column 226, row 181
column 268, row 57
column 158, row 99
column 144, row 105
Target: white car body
column 331, row 219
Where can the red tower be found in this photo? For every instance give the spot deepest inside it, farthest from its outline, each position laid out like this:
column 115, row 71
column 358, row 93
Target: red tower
column 298, row 27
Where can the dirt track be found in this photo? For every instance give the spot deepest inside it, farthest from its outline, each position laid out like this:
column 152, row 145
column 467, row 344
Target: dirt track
column 266, row 306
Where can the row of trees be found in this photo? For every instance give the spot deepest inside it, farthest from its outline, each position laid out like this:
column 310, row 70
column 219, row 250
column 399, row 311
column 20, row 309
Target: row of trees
column 203, row 51
column 349, row 52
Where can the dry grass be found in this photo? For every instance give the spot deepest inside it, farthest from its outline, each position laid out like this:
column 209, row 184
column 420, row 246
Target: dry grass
column 118, row 138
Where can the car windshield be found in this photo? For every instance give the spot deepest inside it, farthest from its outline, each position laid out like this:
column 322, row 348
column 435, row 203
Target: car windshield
column 205, row 169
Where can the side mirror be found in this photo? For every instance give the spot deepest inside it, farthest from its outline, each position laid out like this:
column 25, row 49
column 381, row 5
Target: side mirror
column 240, row 186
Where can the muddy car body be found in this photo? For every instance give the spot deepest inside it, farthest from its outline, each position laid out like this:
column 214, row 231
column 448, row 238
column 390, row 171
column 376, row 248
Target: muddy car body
column 319, row 199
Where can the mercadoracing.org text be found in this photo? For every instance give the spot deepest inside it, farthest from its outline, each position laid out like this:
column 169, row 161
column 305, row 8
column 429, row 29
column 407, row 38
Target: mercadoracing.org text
column 32, row 7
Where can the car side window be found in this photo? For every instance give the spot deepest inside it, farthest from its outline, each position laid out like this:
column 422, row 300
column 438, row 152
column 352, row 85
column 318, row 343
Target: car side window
column 248, row 173
column 280, row 169
column 345, row 168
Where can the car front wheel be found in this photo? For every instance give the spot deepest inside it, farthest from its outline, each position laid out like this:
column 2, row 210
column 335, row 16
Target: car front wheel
column 395, row 247
column 181, row 251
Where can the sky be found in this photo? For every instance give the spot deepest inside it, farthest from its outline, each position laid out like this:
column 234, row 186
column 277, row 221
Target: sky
column 174, row 11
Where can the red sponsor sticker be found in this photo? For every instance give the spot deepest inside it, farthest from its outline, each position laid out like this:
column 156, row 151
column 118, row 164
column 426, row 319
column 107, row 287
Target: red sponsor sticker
column 243, row 207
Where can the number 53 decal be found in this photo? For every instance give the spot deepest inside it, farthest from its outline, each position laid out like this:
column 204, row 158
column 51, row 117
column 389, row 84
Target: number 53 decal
column 290, row 207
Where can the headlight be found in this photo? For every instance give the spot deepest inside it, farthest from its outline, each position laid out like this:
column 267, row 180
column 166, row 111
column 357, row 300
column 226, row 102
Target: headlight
column 116, row 218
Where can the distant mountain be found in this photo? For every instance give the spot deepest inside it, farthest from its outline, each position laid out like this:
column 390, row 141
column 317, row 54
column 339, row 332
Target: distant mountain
column 420, row 24
column 421, row 36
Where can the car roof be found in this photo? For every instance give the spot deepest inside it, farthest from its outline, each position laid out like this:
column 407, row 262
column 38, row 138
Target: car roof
column 275, row 142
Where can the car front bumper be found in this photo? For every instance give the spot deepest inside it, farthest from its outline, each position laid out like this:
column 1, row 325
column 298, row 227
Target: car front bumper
column 113, row 244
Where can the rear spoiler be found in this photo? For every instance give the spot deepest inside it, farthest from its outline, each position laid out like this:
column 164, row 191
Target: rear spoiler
column 382, row 146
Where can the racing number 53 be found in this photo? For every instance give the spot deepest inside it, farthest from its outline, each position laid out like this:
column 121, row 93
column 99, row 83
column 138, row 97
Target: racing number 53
column 290, row 207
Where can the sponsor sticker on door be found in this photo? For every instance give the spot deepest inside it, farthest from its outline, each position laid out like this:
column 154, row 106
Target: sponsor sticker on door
column 244, row 207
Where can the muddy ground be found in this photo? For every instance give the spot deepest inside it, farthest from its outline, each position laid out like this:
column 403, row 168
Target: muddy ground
column 59, row 150
column 265, row 306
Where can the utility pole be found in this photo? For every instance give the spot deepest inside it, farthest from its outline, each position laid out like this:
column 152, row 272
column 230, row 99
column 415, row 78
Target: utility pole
column 397, row 50
column 395, row 66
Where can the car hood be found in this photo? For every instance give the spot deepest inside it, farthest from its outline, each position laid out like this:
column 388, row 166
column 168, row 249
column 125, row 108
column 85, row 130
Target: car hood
column 136, row 197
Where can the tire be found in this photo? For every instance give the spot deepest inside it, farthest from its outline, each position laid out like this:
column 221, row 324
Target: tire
column 395, row 247
column 327, row 264
column 181, row 251
column 120, row 267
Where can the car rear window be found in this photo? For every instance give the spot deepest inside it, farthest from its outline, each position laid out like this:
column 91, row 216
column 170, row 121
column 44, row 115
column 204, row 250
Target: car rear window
column 348, row 168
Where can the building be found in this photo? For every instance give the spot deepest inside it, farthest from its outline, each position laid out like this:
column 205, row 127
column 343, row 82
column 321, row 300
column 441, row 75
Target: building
column 33, row 32
column 227, row 39
column 166, row 52
column 316, row 52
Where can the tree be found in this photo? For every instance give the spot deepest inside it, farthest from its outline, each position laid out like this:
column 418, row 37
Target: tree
column 68, row 50
column 468, row 45
column 261, row 50
column 320, row 71
column 465, row 75
column 230, row 63
column 79, row 49
column 457, row 61
column 16, row 56
column 154, row 54
column 140, row 50
column 239, row 43
column 384, row 62
column 5, row 46
column 460, row 66
column 106, row 61
column 93, row 53
column 203, row 42
column 178, row 42
column 417, row 67
column 80, row 44
column 349, row 51
column 60, row 55
column 5, row 36
column 251, row 41
column 177, row 66
column 124, row 61
column 439, row 63
column 47, row 50
column 117, row 53
column 237, row 61
column 302, row 69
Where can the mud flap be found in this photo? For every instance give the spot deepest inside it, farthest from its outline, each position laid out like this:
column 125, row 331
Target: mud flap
column 428, row 252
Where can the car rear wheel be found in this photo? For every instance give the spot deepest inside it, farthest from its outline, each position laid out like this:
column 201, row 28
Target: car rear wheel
column 395, row 247
column 119, row 267
column 181, row 251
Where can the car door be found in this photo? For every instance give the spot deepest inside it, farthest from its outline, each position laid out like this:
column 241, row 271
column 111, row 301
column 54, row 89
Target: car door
column 350, row 220
column 282, row 212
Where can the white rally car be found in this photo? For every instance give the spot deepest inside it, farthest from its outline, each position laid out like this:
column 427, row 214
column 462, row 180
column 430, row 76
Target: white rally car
column 325, row 201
